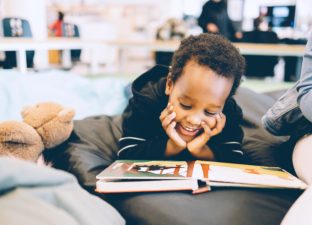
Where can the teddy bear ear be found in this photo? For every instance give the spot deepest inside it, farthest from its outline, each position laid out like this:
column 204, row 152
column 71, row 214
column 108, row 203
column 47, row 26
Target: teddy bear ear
column 66, row 114
column 25, row 111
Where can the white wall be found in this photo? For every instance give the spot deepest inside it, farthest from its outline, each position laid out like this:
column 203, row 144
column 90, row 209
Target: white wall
column 304, row 18
column 35, row 12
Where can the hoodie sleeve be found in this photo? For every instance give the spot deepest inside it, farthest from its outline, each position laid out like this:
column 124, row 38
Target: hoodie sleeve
column 143, row 136
column 227, row 146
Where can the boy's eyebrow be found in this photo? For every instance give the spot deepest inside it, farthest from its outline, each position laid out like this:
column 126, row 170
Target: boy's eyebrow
column 186, row 96
column 190, row 98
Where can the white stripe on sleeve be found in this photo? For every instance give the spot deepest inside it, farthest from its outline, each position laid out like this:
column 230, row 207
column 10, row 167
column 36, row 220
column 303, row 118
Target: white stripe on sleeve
column 232, row 142
column 132, row 138
column 238, row 151
column 124, row 148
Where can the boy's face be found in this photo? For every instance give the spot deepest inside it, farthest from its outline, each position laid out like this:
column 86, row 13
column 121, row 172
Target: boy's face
column 199, row 94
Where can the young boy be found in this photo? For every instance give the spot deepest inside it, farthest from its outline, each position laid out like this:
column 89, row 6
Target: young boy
column 187, row 111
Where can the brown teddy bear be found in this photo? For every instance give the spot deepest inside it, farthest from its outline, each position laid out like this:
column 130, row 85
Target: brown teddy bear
column 44, row 126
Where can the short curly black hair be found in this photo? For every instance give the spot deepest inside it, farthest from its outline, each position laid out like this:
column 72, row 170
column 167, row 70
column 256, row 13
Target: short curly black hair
column 213, row 51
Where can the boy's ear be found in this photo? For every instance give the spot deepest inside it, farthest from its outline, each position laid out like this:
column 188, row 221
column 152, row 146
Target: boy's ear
column 169, row 85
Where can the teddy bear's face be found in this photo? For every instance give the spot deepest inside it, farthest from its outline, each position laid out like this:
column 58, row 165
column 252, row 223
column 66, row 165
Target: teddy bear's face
column 39, row 114
column 45, row 126
column 52, row 121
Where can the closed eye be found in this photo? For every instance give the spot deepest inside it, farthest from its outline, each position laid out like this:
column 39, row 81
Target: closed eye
column 187, row 107
column 207, row 113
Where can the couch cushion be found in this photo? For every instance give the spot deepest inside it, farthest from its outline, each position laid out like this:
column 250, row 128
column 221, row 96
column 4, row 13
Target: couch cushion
column 258, row 144
column 93, row 146
column 218, row 207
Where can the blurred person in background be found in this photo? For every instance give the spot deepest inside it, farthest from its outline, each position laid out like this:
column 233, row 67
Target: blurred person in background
column 57, row 26
column 262, row 32
column 56, row 30
column 260, row 66
column 214, row 18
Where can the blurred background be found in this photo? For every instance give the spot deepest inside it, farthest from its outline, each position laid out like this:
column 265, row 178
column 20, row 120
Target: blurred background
column 124, row 38
column 138, row 20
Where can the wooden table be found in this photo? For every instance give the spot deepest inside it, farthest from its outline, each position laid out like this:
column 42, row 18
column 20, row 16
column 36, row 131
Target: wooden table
column 245, row 48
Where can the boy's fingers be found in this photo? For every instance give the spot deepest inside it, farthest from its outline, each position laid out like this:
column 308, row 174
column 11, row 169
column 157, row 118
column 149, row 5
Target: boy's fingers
column 170, row 126
column 168, row 120
column 221, row 119
column 206, row 127
column 173, row 135
column 163, row 114
column 202, row 139
column 166, row 112
column 207, row 132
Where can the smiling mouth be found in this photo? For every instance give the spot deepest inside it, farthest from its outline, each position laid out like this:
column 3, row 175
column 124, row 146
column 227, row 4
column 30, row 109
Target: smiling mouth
column 187, row 131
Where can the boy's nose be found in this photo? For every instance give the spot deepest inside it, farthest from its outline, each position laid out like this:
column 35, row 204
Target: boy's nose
column 194, row 120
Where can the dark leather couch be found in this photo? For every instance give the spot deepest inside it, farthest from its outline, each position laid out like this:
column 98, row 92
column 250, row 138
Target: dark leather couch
column 92, row 147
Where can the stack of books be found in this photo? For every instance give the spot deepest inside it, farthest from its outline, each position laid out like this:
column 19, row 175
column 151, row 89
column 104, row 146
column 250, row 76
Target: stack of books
column 196, row 176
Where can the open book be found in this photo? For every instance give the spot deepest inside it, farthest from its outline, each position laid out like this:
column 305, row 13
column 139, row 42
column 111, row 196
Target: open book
column 198, row 176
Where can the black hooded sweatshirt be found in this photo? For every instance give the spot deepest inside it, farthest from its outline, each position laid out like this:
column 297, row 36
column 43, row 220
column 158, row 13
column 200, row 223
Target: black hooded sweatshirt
column 144, row 136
